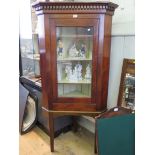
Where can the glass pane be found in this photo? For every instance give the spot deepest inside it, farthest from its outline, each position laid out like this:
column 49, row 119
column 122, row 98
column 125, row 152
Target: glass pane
column 30, row 56
column 29, row 50
column 129, row 91
column 74, row 61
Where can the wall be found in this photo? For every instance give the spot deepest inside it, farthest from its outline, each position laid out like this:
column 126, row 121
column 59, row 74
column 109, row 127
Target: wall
column 124, row 18
column 122, row 46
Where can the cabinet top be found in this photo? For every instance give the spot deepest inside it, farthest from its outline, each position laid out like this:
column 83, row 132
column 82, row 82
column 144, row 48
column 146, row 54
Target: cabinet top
column 74, row 7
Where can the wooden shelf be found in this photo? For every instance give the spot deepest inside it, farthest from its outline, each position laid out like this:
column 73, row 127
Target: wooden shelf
column 74, row 59
column 76, row 36
column 72, row 82
column 31, row 57
column 74, row 94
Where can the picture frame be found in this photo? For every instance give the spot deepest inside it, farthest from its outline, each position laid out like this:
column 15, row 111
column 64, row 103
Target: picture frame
column 126, row 97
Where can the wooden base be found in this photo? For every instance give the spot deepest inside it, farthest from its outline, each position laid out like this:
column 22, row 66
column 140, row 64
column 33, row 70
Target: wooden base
column 51, row 133
column 51, row 129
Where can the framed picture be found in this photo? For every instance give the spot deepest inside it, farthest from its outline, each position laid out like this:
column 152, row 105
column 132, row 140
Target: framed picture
column 126, row 97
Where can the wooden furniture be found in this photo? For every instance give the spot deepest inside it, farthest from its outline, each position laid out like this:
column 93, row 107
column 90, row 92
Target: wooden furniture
column 115, row 132
column 74, row 42
column 126, row 97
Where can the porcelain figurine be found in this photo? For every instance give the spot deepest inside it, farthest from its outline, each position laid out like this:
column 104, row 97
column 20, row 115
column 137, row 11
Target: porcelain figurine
column 88, row 73
column 60, row 48
column 59, row 72
column 79, row 71
column 83, row 51
column 75, row 75
column 68, row 70
column 73, row 52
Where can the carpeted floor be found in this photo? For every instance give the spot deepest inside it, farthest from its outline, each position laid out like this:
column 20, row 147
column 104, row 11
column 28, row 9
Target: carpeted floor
column 36, row 142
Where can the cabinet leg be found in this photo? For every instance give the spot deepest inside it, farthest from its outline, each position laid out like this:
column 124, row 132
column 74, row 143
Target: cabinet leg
column 95, row 143
column 51, row 128
column 75, row 124
column 95, row 140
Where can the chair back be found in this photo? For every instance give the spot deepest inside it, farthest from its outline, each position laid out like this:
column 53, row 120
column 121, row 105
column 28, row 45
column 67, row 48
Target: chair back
column 116, row 133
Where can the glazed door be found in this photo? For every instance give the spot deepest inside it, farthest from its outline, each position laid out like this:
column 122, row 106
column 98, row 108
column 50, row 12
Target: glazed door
column 74, row 52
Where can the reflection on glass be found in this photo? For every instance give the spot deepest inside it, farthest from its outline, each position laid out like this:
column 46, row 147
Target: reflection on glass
column 74, row 61
column 29, row 50
column 30, row 56
column 129, row 91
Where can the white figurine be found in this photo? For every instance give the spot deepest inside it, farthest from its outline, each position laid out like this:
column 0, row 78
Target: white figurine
column 68, row 70
column 79, row 71
column 59, row 72
column 60, row 48
column 88, row 73
column 83, row 51
column 75, row 75
column 73, row 52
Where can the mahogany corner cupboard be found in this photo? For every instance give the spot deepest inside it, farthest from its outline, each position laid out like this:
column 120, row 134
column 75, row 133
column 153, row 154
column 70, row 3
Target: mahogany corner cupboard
column 74, row 43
